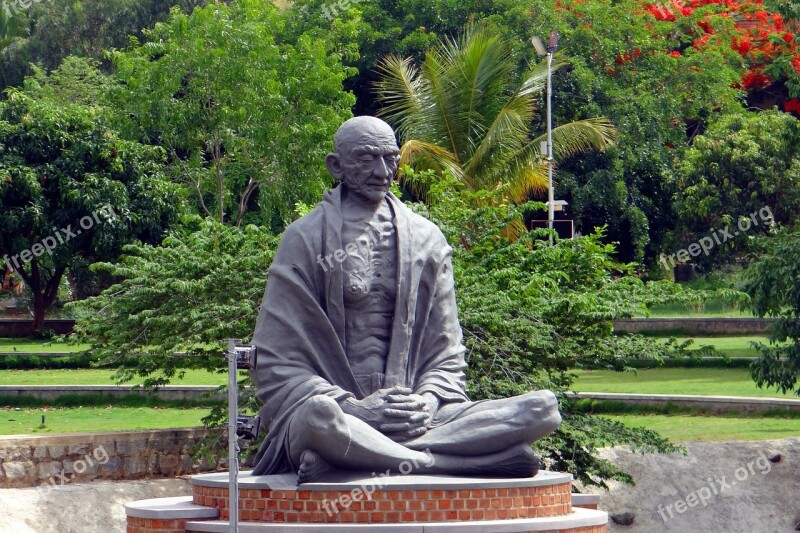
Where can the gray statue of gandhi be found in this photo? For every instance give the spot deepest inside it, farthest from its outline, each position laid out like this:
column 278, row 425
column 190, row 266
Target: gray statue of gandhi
column 361, row 364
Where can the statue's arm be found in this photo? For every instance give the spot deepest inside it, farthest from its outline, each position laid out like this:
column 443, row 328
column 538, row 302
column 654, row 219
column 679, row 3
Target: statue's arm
column 293, row 334
column 441, row 378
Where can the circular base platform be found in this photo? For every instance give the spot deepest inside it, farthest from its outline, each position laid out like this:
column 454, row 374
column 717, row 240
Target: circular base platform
column 396, row 503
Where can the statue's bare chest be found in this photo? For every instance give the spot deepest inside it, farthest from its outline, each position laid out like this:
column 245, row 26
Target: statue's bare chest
column 370, row 289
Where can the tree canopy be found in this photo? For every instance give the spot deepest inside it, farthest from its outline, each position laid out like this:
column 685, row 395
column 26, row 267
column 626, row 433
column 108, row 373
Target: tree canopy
column 245, row 116
column 743, row 174
column 773, row 282
column 61, row 168
column 462, row 111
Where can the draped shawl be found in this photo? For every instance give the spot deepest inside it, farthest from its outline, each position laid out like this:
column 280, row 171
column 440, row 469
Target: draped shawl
column 300, row 333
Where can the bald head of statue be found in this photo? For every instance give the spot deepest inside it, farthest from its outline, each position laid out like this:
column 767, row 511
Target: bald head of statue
column 365, row 158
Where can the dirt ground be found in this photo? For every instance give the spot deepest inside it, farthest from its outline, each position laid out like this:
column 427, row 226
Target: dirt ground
column 95, row 507
column 718, row 487
column 729, row 487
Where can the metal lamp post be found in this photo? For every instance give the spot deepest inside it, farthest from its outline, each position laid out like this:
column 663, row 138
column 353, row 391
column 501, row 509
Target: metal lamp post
column 239, row 357
column 552, row 46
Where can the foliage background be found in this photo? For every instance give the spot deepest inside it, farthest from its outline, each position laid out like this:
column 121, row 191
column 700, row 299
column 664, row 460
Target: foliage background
column 232, row 107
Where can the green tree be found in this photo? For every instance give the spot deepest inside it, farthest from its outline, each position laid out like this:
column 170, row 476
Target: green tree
column 47, row 32
column 463, row 111
column 11, row 26
column 409, row 28
column 77, row 80
column 645, row 75
column 71, row 190
column 742, row 174
column 532, row 313
column 245, row 115
column 175, row 303
column 773, row 283
column 660, row 91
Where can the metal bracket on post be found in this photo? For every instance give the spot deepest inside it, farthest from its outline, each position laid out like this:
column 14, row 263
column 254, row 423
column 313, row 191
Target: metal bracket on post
column 239, row 357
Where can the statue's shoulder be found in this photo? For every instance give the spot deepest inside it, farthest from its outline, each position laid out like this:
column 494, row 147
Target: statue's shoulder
column 308, row 224
column 303, row 235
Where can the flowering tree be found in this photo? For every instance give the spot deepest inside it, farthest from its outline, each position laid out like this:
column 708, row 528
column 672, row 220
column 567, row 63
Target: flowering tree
column 766, row 43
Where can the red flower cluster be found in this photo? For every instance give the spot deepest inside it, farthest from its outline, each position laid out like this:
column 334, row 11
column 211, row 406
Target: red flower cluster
column 755, row 79
column 742, row 44
column 760, row 37
column 706, row 25
column 701, row 42
column 756, row 28
column 661, row 12
column 792, row 106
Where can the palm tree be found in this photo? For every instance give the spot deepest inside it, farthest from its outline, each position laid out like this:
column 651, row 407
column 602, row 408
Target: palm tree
column 462, row 111
column 13, row 23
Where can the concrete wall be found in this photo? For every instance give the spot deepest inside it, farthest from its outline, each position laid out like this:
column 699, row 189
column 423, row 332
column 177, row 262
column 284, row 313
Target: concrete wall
column 716, row 404
column 697, row 326
column 56, row 460
column 21, row 327
column 53, row 392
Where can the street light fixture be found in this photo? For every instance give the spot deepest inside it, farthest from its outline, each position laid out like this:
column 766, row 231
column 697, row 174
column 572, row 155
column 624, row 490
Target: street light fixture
column 552, row 46
column 238, row 357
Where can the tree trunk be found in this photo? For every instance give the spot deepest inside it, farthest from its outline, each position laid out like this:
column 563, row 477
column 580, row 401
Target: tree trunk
column 34, row 281
column 44, row 294
column 39, row 310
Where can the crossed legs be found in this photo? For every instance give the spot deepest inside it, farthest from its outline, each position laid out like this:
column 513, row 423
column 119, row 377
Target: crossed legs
column 488, row 438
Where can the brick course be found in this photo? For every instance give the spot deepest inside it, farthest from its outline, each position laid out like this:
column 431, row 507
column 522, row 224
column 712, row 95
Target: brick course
column 390, row 506
column 150, row 525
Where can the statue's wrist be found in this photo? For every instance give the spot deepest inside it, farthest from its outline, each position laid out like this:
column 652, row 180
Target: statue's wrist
column 350, row 406
column 432, row 401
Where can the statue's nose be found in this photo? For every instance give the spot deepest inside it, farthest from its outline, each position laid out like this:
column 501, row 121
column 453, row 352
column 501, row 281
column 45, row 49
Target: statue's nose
column 382, row 169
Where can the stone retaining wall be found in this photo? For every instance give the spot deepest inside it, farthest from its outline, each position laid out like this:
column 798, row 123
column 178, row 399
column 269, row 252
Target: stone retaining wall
column 21, row 327
column 716, row 404
column 53, row 460
column 168, row 392
column 697, row 326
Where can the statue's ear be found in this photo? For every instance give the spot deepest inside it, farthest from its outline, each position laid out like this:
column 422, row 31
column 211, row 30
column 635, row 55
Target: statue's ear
column 334, row 164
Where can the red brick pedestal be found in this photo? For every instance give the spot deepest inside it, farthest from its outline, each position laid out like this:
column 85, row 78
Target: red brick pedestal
column 398, row 503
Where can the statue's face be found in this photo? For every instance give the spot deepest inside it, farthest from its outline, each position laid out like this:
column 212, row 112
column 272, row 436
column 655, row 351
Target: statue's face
column 369, row 161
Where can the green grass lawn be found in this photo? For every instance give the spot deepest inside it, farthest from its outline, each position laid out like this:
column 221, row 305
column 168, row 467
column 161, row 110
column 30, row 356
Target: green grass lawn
column 85, row 419
column 95, row 377
column 732, row 346
column 708, row 428
column 704, row 381
column 95, row 419
column 38, row 346
column 711, row 309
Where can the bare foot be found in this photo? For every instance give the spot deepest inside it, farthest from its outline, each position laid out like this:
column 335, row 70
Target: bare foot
column 312, row 467
column 517, row 461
